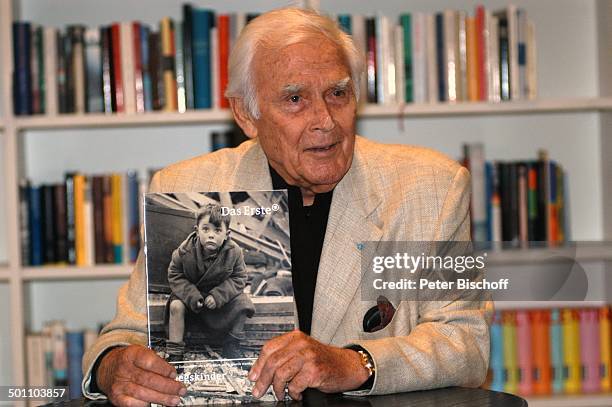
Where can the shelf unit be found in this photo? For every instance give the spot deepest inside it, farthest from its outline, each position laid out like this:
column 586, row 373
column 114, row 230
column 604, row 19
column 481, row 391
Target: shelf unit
column 13, row 129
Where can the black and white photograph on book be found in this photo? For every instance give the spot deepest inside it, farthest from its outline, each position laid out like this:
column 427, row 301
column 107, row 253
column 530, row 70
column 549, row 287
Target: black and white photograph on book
column 219, row 285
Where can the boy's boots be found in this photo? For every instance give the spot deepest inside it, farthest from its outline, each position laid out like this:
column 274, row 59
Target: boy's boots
column 175, row 351
column 231, row 347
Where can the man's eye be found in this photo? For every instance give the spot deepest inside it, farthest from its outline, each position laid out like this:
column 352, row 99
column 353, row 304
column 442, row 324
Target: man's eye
column 339, row 93
column 294, row 98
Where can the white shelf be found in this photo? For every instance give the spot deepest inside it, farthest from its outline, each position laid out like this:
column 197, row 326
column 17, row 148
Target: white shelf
column 518, row 305
column 484, row 108
column 591, row 251
column 586, row 400
column 99, row 120
column 76, row 273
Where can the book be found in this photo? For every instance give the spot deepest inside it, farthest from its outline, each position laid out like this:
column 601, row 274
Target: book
column 185, row 327
column 22, row 71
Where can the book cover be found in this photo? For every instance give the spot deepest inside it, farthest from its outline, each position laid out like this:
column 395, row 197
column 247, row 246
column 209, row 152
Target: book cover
column 540, row 351
column 203, row 21
column 589, row 350
column 219, row 285
column 50, row 46
column 24, row 221
column 605, row 351
column 570, row 328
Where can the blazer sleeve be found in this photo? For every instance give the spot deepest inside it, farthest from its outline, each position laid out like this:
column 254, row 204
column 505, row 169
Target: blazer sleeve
column 449, row 346
column 234, row 284
column 129, row 325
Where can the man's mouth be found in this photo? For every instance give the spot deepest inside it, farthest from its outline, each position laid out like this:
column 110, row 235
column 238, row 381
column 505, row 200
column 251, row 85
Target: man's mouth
column 323, row 148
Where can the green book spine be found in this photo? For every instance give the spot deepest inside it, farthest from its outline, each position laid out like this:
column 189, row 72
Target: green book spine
column 406, row 23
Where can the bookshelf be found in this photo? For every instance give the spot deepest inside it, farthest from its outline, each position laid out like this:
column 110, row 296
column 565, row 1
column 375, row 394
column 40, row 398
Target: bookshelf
column 567, row 116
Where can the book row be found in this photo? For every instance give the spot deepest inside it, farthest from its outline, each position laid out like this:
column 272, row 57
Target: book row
column 542, row 352
column 83, row 221
column 449, row 56
column 54, row 356
column 130, row 67
column 518, row 203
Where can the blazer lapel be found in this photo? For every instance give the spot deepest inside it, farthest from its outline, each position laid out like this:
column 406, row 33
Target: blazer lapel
column 349, row 225
column 252, row 173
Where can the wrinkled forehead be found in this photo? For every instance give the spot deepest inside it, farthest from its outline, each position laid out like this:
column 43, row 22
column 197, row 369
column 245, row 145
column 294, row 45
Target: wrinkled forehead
column 314, row 59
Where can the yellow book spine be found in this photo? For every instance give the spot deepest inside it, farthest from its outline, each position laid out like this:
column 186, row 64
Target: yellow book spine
column 117, row 217
column 167, row 49
column 571, row 351
column 79, row 220
column 510, row 357
column 472, row 59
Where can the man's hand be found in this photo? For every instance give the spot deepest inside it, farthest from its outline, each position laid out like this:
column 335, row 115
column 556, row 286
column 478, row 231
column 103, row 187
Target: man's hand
column 136, row 376
column 210, row 302
column 301, row 362
column 200, row 304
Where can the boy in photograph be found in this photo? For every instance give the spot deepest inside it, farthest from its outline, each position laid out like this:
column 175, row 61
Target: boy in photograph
column 207, row 276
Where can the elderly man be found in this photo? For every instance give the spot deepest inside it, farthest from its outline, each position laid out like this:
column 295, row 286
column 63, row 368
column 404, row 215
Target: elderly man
column 294, row 84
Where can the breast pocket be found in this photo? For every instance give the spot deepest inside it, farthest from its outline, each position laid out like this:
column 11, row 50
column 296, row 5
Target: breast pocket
column 399, row 325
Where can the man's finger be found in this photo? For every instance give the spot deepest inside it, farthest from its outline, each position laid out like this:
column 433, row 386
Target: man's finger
column 149, row 395
column 127, row 401
column 158, row 382
column 268, row 370
column 271, row 347
column 150, row 361
column 298, row 384
column 284, row 374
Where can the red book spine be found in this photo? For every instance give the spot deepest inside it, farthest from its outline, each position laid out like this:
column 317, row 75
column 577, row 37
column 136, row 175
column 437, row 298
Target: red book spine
column 224, row 38
column 480, row 52
column 138, row 82
column 118, row 81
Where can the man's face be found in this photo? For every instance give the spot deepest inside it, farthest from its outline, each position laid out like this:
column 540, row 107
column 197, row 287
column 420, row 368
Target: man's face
column 307, row 113
column 211, row 236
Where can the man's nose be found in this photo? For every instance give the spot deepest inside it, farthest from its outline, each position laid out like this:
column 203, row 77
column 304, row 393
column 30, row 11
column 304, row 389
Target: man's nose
column 322, row 119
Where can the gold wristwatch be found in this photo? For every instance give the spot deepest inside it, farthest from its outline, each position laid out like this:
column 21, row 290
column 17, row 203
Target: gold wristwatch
column 367, row 362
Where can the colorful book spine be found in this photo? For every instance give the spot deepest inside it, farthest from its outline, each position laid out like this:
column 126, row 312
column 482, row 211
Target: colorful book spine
column 75, row 348
column 407, row 26
column 203, row 22
column 22, row 79
column 497, row 353
column 146, row 74
column 605, row 352
column 187, row 28
column 93, row 71
column 223, row 35
column 117, row 216
column 137, row 58
column 79, row 220
column 556, row 351
column 35, row 216
column 510, row 351
column 589, row 350
column 133, row 222
column 571, row 351
column 540, row 351
column 181, row 101
column 117, row 71
column 169, row 76
column 524, row 350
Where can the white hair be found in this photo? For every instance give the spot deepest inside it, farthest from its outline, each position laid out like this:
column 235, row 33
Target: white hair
column 276, row 30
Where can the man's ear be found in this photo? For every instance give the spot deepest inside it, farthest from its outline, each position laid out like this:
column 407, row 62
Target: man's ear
column 243, row 117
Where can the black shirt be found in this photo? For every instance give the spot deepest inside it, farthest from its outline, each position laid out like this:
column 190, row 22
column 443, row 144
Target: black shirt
column 307, row 226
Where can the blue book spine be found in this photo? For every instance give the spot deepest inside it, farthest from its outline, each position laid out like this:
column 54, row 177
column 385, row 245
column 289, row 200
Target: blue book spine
column 133, row 215
column 556, row 351
column 345, row 23
column 36, row 238
column 22, row 71
column 440, row 59
column 497, row 354
column 74, row 341
column 203, row 21
column 146, row 75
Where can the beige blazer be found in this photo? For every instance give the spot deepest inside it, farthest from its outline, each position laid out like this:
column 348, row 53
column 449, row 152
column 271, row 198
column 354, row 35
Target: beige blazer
column 390, row 193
